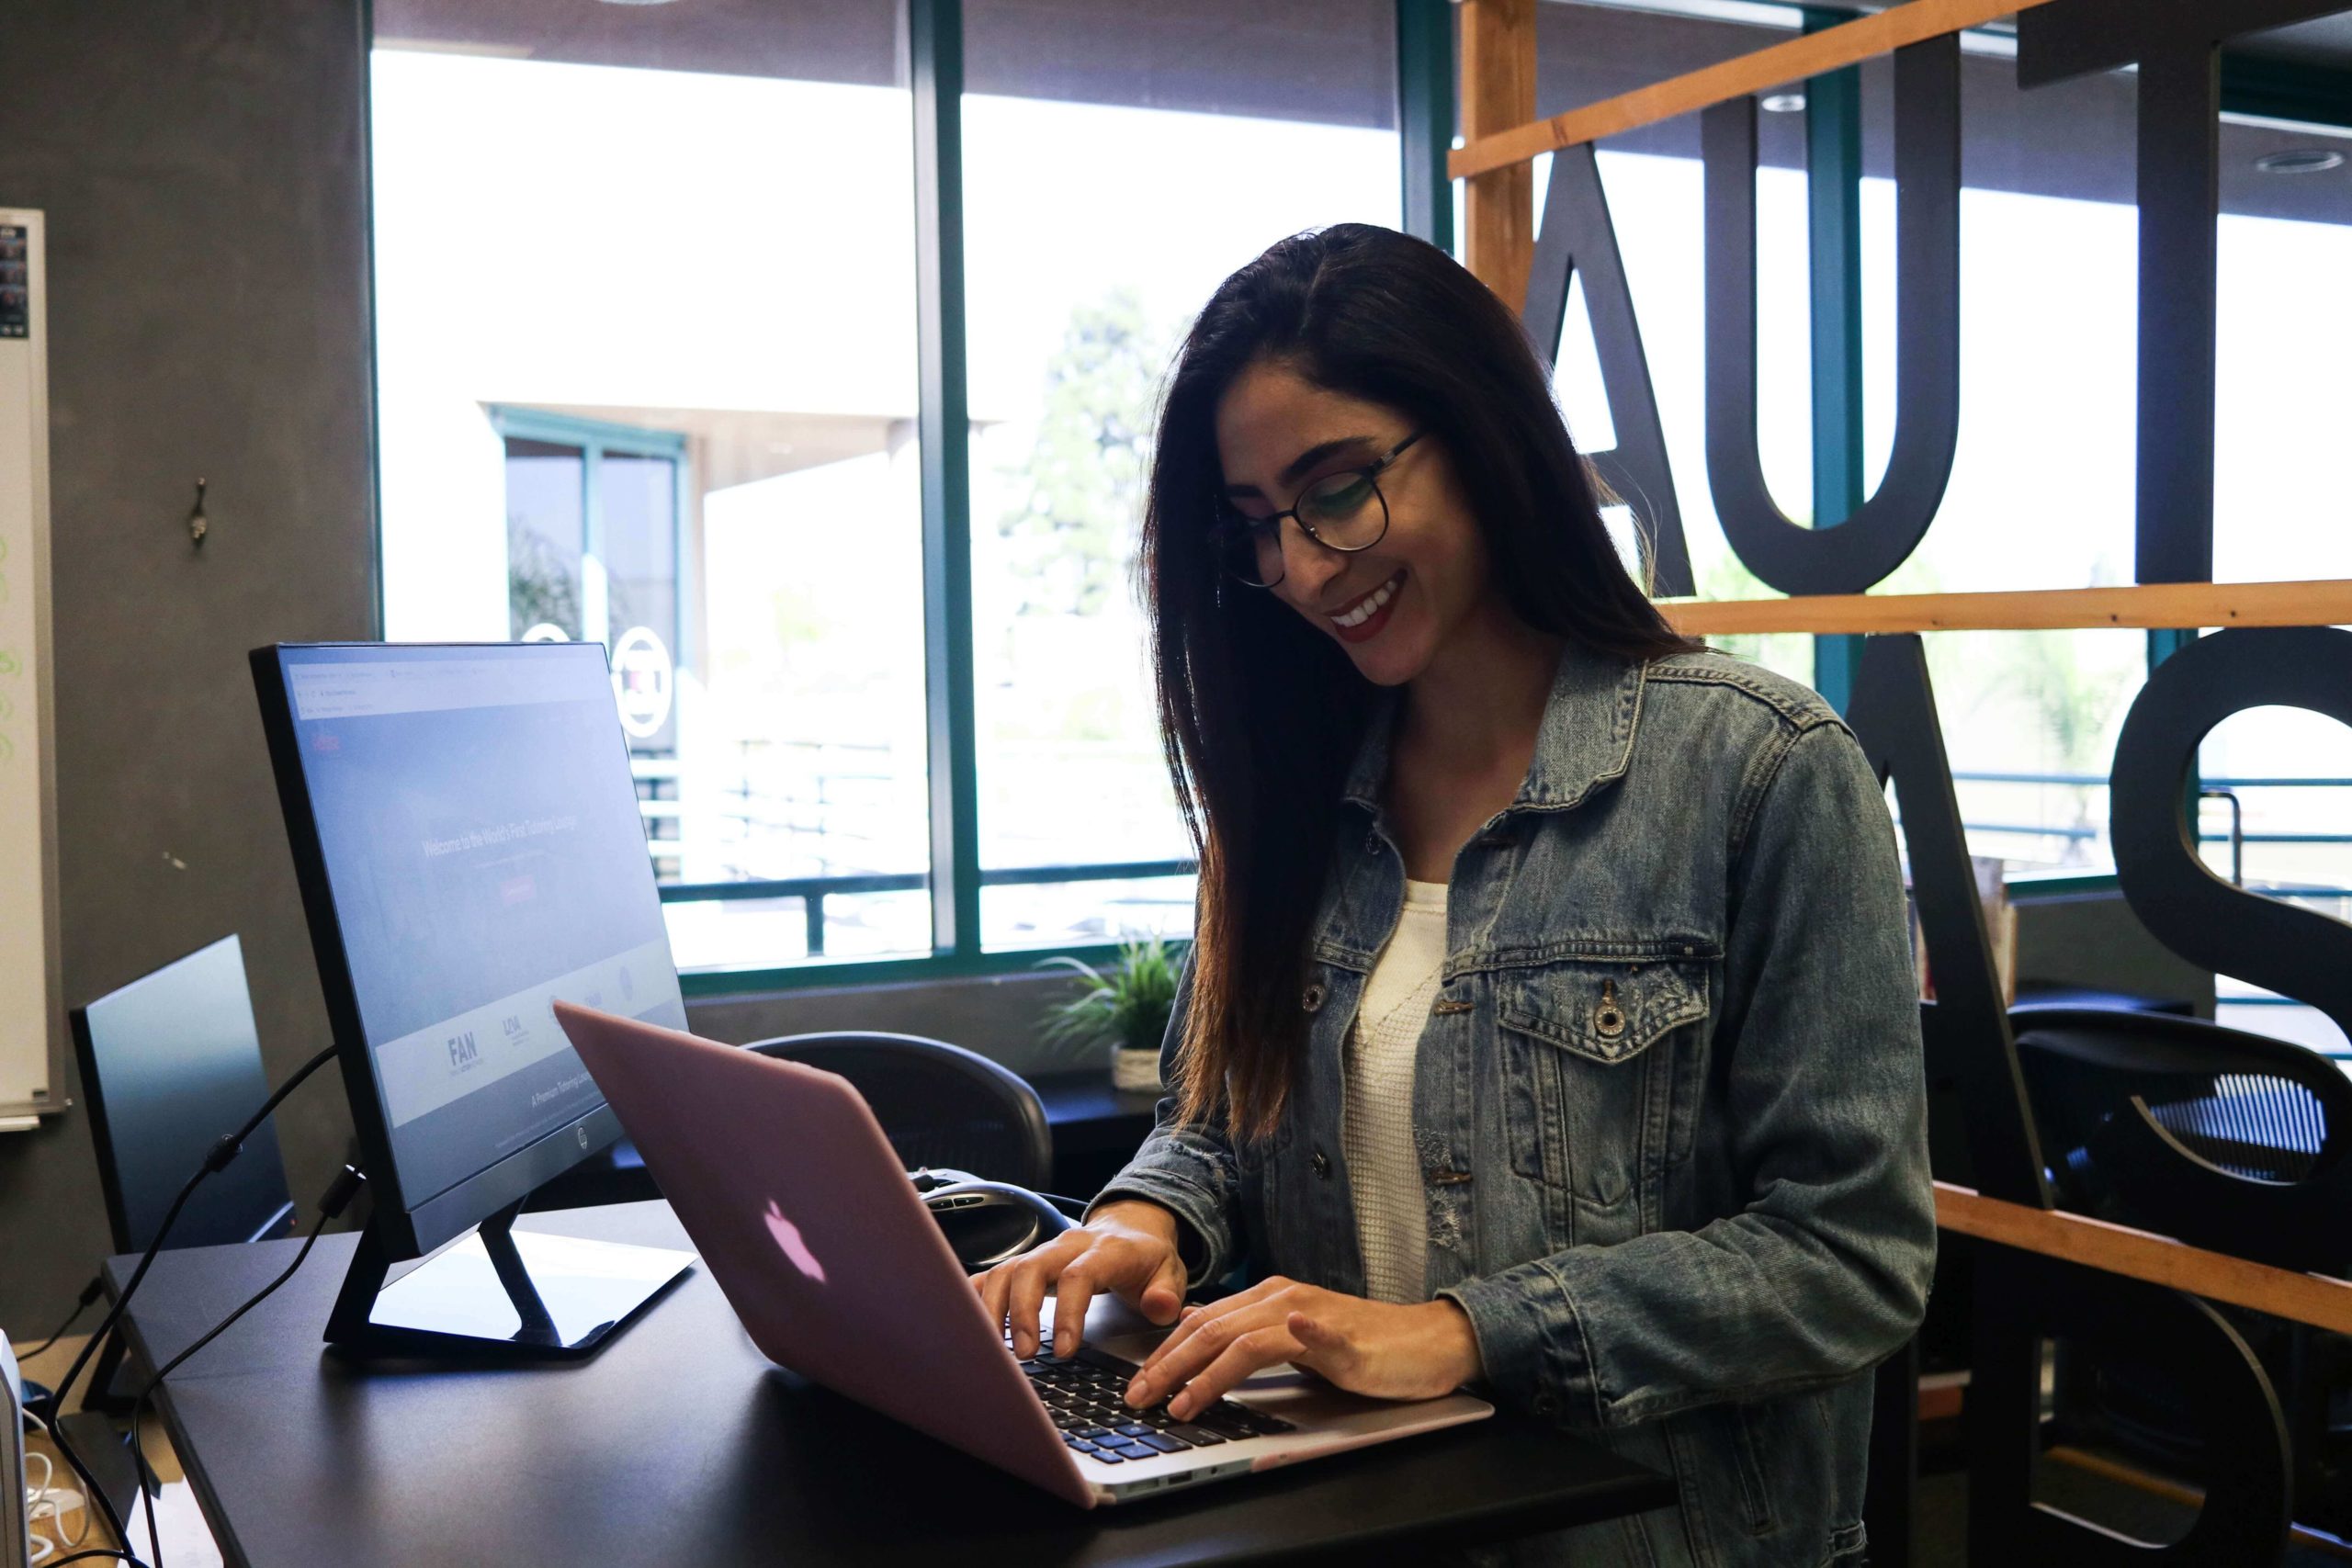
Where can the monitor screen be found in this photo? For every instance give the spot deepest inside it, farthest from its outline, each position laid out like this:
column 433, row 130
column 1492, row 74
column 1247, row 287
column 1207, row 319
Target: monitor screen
column 485, row 855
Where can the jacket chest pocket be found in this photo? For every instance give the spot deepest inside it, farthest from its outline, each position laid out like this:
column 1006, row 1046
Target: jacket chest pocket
column 1589, row 1072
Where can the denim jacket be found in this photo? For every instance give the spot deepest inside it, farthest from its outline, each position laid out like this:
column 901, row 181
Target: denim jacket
column 1668, row 1103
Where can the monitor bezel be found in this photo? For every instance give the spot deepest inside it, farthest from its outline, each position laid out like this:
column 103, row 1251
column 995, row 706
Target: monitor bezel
column 409, row 1228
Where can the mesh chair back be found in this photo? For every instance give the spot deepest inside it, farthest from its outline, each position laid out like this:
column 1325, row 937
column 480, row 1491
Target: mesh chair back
column 940, row 1105
column 2250, row 1105
column 2270, row 1119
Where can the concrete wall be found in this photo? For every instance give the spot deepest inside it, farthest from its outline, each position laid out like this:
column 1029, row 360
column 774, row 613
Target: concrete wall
column 201, row 163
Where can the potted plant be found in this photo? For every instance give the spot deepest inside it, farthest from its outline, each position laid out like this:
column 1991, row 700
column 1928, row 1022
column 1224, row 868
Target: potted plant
column 1124, row 1005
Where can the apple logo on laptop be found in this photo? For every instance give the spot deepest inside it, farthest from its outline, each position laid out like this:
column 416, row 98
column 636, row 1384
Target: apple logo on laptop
column 787, row 1237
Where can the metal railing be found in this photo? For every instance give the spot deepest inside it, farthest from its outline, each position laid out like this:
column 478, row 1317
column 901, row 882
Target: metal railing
column 812, row 891
column 2218, row 788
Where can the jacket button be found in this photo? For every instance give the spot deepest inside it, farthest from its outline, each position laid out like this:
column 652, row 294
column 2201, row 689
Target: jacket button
column 1545, row 1404
column 1321, row 1163
column 1372, row 844
column 1313, row 1000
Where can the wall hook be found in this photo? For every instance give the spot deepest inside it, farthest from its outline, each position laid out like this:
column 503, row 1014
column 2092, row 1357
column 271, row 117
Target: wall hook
column 199, row 525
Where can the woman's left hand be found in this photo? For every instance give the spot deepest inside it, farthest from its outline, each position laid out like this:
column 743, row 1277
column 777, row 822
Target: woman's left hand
column 1374, row 1347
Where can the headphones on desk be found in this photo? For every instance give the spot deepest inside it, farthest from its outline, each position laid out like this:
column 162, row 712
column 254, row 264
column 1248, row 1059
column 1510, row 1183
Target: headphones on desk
column 988, row 1222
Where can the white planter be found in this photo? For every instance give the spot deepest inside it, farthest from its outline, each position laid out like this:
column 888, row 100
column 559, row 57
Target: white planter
column 1136, row 1071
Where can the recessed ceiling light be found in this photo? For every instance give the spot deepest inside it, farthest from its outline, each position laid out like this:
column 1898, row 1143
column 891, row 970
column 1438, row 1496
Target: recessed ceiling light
column 2299, row 161
column 1783, row 103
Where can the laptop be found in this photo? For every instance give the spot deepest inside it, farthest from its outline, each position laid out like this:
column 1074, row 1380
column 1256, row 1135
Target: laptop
column 793, row 1197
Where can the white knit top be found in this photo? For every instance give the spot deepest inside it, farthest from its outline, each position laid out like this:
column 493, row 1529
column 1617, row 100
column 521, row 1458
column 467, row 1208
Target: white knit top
column 1384, row 1167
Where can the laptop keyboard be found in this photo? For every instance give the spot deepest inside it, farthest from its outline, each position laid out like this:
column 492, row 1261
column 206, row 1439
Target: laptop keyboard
column 1086, row 1395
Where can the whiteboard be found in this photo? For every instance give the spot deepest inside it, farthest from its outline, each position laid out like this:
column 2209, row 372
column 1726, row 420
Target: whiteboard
column 31, row 1001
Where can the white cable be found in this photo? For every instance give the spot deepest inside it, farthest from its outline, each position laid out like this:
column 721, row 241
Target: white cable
column 58, row 1501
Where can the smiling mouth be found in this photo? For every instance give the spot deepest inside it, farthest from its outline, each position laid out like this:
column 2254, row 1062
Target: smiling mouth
column 1362, row 610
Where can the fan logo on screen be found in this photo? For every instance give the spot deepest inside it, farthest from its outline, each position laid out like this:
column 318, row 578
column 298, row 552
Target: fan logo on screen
column 643, row 683
column 787, row 1237
column 464, row 1054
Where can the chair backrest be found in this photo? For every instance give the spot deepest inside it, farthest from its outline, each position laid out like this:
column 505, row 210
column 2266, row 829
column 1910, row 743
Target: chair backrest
column 170, row 1063
column 2275, row 1116
column 940, row 1105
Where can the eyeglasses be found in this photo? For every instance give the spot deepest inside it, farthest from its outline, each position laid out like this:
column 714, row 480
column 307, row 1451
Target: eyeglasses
column 1341, row 512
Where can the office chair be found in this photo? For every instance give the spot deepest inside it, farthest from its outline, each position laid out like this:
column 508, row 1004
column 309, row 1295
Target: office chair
column 2241, row 1150
column 974, row 1133
column 940, row 1106
column 976, row 1129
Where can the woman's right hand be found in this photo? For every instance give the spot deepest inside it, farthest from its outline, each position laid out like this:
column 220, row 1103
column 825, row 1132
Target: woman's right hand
column 1128, row 1248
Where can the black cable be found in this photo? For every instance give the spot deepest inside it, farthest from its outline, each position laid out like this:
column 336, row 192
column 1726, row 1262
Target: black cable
column 90, row 1487
column 90, row 1293
column 222, row 1152
column 226, row 1149
column 338, row 1197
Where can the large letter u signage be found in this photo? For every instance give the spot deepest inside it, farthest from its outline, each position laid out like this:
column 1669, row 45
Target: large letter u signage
column 1863, row 548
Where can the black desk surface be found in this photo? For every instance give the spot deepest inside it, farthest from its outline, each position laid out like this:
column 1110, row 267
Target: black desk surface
column 681, row 1444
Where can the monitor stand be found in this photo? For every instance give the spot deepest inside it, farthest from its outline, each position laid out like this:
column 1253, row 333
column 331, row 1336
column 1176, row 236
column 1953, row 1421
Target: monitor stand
column 499, row 1292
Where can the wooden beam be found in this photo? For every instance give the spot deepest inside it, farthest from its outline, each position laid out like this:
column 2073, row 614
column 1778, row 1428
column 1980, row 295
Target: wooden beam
column 1499, row 92
column 1504, row 146
column 2316, row 1299
column 2155, row 604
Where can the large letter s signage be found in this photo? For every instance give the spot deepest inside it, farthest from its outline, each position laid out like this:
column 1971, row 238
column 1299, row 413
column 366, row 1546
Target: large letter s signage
column 2297, row 952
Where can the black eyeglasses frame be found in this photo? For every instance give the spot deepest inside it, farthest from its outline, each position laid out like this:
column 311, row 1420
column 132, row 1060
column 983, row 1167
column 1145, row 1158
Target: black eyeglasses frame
column 1231, row 523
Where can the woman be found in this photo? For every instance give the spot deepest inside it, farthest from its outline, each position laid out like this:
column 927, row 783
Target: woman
column 1550, row 1023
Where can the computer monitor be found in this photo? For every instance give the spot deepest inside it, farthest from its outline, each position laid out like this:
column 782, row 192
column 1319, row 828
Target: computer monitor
column 169, row 1062
column 470, row 847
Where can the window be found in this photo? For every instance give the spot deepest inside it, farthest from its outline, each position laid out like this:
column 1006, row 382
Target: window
column 1215, row 131
column 647, row 376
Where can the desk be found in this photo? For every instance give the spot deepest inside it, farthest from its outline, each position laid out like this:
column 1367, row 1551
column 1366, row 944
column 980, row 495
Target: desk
column 681, row 1444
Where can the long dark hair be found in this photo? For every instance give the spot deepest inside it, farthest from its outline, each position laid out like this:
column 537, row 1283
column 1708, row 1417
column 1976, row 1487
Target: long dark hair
column 1261, row 715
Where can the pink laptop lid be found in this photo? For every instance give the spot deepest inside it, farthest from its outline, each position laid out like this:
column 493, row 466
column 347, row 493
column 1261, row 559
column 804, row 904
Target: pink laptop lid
column 791, row 1192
